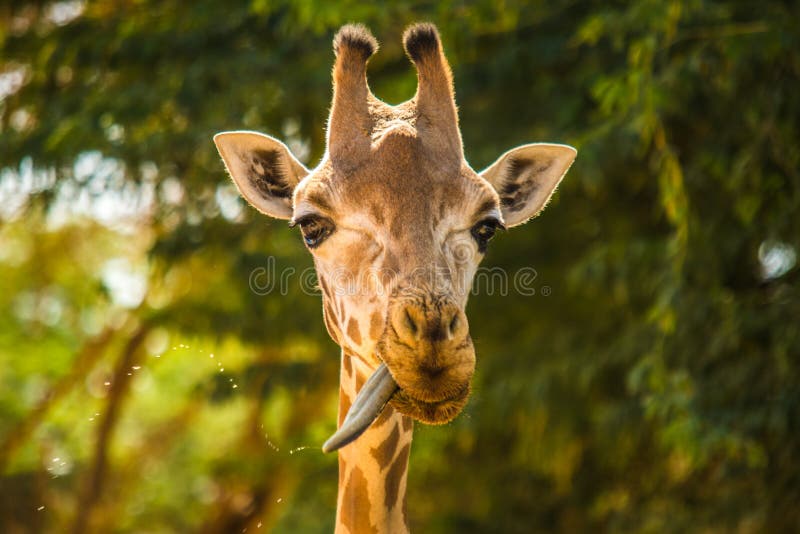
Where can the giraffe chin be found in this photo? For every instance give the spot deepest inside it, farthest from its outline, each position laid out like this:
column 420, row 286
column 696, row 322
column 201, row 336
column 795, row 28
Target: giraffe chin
column 431, row 413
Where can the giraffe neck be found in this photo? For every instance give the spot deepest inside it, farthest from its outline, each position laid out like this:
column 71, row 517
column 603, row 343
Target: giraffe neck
column 373, row 469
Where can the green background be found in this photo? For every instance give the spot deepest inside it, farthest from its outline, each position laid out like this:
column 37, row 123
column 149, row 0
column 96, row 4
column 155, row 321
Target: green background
column 651, row 384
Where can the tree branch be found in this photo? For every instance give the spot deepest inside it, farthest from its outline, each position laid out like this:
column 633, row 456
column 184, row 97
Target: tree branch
column 120, row 385
column 83, row 363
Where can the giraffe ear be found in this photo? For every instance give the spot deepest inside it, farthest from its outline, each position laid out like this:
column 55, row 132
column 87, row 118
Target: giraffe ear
column 525, row 178
column 263, row 169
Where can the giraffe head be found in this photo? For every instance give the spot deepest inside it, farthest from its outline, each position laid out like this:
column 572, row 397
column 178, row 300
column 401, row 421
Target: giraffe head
column 396, row 219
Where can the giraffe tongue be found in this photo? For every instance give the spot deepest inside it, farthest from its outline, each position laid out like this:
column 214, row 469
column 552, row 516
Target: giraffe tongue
column 368, row 405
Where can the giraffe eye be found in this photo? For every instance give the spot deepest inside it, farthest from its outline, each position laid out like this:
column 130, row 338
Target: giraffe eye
column 315, row 230
column 484, row 231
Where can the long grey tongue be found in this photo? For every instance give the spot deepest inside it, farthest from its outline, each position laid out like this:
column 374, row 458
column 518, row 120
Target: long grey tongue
column 368, row 405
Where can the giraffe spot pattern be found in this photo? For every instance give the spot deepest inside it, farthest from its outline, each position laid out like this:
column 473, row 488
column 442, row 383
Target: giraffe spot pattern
column 330, row 322
column 355, row 504
column 347, row 362
column 384, row 452
column 353, row 332
column 394, row 476
column 375, row 326
column 360, row 381
column 344, row 406
column 408, row 423
column 385, row 416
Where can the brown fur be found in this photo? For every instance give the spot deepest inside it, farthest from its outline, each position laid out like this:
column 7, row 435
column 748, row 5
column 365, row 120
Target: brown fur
column 384, row 452
column 330, row 322
column 356, row 503
column 360, row 379
column 347, row 364
column 353, row 332
column 344, row 406
column 375, row 325
column 394, row 477
column 408, row 424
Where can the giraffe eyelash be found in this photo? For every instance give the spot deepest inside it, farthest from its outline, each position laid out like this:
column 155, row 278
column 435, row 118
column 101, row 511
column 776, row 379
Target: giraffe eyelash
column 315, row 229
column 484, row 231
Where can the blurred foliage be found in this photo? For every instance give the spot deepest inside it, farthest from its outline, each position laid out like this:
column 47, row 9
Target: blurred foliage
column 652, row 383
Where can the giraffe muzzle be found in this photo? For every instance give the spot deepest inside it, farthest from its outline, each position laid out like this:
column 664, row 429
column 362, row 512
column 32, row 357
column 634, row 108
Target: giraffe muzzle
column 428, row 348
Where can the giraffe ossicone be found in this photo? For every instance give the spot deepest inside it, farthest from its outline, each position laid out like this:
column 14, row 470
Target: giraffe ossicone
column 397, row 222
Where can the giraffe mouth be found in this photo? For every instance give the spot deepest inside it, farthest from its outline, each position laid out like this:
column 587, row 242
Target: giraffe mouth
column 377, row 392
column 431, row 413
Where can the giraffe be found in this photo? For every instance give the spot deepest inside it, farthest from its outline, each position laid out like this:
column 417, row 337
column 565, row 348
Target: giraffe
column 397, row 222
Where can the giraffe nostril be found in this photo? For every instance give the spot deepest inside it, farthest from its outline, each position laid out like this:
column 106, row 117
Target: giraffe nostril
column 454, row 324
column 410, row 324
column 420, row 324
